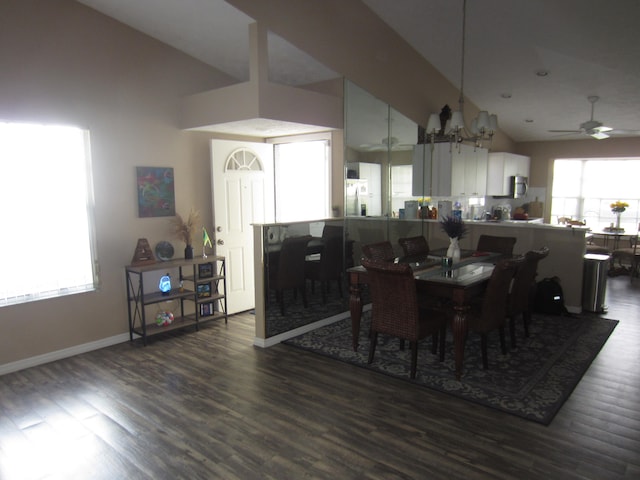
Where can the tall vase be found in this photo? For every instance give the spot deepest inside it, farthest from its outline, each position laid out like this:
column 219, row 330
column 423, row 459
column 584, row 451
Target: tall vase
column 188, row 252
column 454, row 249
column 618, row 215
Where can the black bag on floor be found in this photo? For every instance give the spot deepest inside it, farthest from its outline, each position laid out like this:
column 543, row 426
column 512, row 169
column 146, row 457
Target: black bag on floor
column 549, row 297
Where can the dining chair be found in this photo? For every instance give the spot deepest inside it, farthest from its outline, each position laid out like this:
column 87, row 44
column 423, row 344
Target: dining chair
column 493, row 243
column 522, row 291
column 395, row 310
column 628, row 255
column 414, row 246
column 491, row 312
column 329, row 267
column 289, row 271
column 381, row 251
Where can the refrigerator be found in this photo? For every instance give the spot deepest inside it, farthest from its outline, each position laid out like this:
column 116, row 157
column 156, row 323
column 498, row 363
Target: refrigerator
column 357, row 196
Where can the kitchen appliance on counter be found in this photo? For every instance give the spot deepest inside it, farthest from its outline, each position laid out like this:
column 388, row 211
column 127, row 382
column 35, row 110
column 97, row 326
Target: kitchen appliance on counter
column 501, row 212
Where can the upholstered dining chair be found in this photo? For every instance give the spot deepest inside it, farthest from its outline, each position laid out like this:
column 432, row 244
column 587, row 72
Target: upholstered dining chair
column 288, row 273
column 492, row 243
column 414, row 246
column 381, row 251
column 329, row 267
column 522, row 291
column 395, row 310
column 491, row 312
column 628, row 255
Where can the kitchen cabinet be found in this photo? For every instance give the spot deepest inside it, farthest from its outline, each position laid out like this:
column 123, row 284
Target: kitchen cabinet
column 469, row 171
column 458, row 170
column 502, row 166
column 431, row 170
column 201, row 282
column 372, row 173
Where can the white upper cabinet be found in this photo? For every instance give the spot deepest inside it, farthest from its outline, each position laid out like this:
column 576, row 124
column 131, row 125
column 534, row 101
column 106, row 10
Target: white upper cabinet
column 453, row 171
column 503, row 166
column 469, row 171
column 432, row 170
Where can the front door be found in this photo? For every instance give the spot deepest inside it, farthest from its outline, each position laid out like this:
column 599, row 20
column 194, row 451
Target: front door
column 242, row 180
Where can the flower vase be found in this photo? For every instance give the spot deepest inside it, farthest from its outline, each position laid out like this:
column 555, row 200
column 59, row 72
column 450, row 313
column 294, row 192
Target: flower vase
column 618, row 215
column 188, row 252
column 453, row 251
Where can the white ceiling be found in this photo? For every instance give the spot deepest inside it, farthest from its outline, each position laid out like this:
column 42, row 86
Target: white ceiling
column 588, row 47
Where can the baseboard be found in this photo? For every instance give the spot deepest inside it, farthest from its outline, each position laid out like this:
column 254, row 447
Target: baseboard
column 271, row 341
column 64, row 353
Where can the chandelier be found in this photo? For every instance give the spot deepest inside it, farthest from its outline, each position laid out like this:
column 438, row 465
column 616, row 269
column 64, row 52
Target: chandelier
column 453, row 129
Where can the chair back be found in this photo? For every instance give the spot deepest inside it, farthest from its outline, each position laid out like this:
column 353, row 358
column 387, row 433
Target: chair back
column 492, row 243
column 524, row 281
column 290, row 273
column 413, row 246
column 332, row 231
column 381, row 251
column 331, row 258
column 495, row 298
column 394, row 304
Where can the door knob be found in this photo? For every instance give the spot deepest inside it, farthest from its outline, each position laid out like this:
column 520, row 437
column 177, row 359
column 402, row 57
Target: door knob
column 218, row 229
column 220, row 242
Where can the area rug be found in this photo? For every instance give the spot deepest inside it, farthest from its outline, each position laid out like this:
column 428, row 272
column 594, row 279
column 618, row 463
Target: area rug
column 531, row 381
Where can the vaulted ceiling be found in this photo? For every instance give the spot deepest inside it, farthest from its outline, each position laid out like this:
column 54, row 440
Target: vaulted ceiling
column 532, row 62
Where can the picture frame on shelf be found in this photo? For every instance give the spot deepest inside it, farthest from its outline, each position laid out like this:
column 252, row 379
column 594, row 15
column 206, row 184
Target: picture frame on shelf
column 206, row 309
column 203, row 290
column 205, row 270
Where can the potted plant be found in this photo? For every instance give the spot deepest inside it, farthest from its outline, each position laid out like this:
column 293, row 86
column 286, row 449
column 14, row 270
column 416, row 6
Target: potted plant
column 185, row 230
column 455, row 229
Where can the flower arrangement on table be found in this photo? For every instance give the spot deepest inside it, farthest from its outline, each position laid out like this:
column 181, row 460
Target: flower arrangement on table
column 455, row 228
column 619, row 206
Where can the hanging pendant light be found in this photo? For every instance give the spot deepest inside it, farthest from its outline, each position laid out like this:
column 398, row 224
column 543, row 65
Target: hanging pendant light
column 483, row 127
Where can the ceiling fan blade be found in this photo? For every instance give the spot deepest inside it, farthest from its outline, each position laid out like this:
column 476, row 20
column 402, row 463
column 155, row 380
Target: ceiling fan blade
column 622, row 132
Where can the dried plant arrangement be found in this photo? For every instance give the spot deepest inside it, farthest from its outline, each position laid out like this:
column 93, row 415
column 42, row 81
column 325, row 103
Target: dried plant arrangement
column 186, row 229
column 454, row 227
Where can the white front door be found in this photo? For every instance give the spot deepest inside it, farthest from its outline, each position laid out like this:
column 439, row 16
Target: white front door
column 242, row 182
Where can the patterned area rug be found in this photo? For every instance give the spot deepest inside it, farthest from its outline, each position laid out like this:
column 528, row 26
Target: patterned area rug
column 532, row 381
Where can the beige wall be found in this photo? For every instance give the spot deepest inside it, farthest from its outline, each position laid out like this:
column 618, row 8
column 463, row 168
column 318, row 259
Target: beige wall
column 62, row 62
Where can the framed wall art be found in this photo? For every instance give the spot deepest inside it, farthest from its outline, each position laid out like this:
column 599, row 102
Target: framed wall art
column 156, row 195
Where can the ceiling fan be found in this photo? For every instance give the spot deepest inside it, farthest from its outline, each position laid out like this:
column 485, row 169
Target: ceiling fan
column 595, row 128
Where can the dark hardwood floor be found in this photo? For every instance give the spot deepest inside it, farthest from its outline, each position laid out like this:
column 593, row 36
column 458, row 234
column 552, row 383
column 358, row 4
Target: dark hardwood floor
column 209, row 405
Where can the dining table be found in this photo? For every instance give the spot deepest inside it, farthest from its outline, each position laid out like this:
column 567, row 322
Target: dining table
column 458, row 284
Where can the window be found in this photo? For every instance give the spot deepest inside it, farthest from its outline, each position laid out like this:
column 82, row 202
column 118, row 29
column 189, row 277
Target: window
column 585, row 189
column 46, row 249
column 302, row 181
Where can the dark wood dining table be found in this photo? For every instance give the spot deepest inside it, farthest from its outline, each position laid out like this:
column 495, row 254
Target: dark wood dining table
column 460, row 284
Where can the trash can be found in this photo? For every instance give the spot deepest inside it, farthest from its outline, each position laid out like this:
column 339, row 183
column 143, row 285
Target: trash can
column 594, row 282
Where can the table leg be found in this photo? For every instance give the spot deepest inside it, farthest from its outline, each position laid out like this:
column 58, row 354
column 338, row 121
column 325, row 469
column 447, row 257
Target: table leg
column 459, row 330
column 355, row 307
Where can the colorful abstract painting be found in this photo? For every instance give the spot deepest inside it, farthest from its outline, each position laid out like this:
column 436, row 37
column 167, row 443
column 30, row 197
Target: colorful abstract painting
column 156, row 196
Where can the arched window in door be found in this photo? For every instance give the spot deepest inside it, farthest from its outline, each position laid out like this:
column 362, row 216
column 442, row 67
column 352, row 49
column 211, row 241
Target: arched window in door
column 243, row 159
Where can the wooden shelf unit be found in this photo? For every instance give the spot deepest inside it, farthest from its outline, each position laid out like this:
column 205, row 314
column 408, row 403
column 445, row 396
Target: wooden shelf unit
column 200, row 282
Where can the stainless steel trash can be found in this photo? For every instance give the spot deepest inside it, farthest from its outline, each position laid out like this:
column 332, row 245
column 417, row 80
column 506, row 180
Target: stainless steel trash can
column 594, row 282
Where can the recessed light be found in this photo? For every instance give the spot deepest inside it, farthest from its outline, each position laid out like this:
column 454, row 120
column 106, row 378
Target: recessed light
column 505, row 95
column 542, row 73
